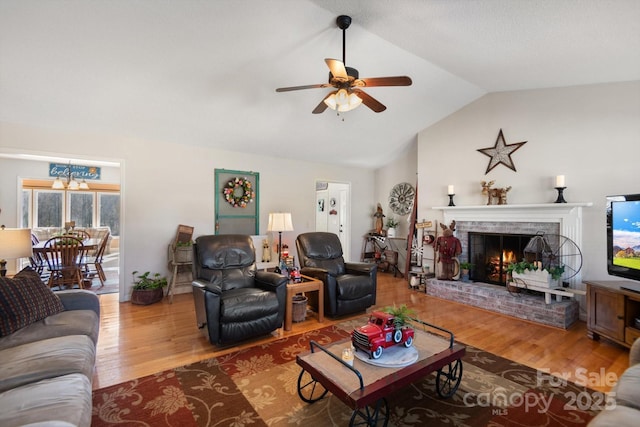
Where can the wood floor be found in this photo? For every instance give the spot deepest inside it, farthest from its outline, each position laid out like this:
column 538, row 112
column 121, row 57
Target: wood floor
column 141, row 340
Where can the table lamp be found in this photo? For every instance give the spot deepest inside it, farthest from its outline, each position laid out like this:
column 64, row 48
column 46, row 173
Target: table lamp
column 280, row 222
column 14, row 243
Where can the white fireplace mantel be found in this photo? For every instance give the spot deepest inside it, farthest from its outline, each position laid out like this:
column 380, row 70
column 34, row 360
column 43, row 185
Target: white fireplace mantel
column 500, row 211
column 568, row 215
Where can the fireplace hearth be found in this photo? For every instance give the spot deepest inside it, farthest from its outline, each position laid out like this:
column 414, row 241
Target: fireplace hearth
column 563, row 219
column 490, row 253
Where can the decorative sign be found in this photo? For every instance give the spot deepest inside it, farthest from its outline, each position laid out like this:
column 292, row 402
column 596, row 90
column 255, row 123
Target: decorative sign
column 77, row 171
column 424, row 224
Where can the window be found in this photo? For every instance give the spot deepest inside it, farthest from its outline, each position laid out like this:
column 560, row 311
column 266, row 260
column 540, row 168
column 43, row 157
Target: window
column 80, row 208
column 48, row 208
column 109, row 212
column 26, row 209
column 43, row 207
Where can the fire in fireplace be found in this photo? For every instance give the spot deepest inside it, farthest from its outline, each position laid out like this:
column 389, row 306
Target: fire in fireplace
column 492, row 252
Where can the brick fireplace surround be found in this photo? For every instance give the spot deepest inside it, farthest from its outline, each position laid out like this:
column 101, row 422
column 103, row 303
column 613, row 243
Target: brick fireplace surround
column 561, row 218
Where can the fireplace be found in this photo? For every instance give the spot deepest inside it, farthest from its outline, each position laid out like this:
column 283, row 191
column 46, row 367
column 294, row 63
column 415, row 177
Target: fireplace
column 526, row 220
column 492, row 252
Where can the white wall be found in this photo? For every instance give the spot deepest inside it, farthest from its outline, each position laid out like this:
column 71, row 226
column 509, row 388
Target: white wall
column 164, row 185
column 401, row 169
column 591, row 134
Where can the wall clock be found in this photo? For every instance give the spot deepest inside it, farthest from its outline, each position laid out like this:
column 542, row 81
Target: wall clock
column 401, row 198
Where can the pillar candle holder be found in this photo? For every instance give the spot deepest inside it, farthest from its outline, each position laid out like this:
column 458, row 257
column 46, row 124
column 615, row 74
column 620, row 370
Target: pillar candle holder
column 560, row 198
column 451, row 200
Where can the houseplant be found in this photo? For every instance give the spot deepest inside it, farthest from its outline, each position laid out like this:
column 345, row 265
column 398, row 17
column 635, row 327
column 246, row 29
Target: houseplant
column 402, row 315
column 147, row 290
column 392, row 224
column 182, row 252
column 464, row 270
column 533, row 274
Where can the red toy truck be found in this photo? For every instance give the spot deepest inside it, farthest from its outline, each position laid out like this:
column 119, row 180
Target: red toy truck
column 379, row 333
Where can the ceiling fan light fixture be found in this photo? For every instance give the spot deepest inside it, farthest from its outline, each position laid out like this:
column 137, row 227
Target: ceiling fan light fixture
column 346, row 81
column 343, row 101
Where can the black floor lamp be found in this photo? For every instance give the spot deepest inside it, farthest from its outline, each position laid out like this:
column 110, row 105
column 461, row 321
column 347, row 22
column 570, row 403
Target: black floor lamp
column 280, row 222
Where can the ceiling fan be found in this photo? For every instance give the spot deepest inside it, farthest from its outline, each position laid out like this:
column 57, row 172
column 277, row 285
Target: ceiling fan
column 347, row 82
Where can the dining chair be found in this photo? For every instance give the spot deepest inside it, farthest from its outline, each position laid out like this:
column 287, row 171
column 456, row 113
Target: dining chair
column 65, row 255
column 80, row 234
column 37, row 261
column 93, row 263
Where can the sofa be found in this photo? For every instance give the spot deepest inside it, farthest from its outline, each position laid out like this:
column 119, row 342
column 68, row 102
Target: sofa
column 47, row 353
column 625, row 394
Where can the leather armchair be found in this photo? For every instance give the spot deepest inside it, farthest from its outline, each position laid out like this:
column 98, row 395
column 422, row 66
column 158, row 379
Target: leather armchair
column 233, row 300
column 349, row 287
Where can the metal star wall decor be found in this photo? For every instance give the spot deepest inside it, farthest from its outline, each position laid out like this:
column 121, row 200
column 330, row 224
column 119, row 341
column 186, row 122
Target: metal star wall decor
column 501, row 153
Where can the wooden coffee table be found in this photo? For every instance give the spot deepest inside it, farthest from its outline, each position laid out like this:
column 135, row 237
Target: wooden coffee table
column 364, row 386
column 308, row 284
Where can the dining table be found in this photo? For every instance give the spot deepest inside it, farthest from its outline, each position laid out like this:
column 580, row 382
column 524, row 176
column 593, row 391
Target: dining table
column 89, row 244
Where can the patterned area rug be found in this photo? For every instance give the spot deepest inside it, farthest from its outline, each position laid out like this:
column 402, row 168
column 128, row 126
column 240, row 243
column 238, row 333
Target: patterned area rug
column 258, row 387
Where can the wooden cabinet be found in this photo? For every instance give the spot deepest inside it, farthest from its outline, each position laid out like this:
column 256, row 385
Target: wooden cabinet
column 613, row 311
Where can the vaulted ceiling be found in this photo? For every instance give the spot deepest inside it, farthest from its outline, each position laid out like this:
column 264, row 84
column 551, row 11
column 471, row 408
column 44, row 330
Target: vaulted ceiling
column 205, row 72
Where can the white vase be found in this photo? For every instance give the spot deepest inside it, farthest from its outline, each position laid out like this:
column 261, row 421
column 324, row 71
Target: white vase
column 391, row 232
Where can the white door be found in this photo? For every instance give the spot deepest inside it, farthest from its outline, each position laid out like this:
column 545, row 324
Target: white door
column 333, row 212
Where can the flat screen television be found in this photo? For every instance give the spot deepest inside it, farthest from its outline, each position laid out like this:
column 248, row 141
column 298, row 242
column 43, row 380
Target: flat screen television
column 623, row 236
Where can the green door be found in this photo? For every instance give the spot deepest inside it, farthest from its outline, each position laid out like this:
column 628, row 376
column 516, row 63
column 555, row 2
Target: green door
column 236, row 202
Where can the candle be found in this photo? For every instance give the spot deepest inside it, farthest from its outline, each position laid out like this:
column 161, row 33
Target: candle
column 450, row 189
column 347, row 356
column 560, row 181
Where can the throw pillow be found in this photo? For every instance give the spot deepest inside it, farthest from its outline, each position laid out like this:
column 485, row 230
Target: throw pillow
column 25, row 300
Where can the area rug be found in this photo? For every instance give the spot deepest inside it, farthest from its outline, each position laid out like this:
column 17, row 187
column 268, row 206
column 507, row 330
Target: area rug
column 258, row 387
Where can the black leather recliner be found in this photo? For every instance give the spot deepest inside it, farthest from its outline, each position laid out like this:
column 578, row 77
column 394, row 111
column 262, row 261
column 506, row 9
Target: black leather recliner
column 233, row 300
column 349, row 287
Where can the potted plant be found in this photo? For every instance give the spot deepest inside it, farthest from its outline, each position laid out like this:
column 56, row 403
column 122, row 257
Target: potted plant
column 402, row 315
column 533, row 274
column 147, row 290
column 182, row 252
column 464, row 270
column 392, row 223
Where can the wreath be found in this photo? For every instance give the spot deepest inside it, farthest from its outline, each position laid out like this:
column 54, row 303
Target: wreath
column 243, row 199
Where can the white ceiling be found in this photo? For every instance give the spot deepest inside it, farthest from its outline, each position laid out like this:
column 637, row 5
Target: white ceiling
column 205, row 72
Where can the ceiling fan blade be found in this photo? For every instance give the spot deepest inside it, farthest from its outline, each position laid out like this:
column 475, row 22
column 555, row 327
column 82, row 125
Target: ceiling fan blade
column 370, row 101
column 337, row 68
column 385, row 81
column 287, row 89
column 322, row 106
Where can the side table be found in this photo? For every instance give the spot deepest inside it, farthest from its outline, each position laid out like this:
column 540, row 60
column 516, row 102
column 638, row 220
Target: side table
column 308, row 284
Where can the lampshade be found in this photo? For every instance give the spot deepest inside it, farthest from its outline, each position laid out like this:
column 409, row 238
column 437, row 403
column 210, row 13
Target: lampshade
column 280, row 222
column 343, row 101
column 72, row 184
column 14, row 243
column 58, row 184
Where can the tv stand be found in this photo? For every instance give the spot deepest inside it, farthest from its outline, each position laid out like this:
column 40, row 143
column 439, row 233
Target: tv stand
column 613, row 310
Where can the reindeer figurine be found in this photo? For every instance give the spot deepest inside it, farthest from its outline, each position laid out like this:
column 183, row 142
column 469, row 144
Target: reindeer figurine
column 502, row 195
column 487, row 190
column 499, row 194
